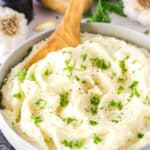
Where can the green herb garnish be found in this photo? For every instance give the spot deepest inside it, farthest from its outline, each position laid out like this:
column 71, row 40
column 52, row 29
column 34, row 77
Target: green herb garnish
column 69, row 67
column 77, row 78
column 140, row 135
column 82, row 67
column 100, row 15
column 95, row 101
column 69, row 120
column 41, row 103
column 103, row 8
column 92, row 122
column 115, row 6
column 37, row 120
column 121, row 80
column 71, row 144
column 32, row 77
column 67, row 143
column 17, row 96
column 93, row 110
column 123, row 66
column 63, row 99
column 134, row 91
column 79, row 143
column 84, row 56
column 101, row 63
column 146, row 32
column 21, row 74
column 120, row 89
column 47, row 72
column 134, row 85
column 115, row 121
column 96, row 139
column 115, row 104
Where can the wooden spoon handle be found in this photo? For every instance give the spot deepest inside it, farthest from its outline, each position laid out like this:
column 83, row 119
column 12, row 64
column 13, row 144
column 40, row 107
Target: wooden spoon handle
column 67, row 34
column 69, row 29
column 71, row 21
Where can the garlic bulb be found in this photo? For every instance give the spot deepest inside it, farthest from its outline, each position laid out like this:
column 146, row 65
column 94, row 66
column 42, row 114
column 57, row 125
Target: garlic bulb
column 138, row 10
column 13, row 29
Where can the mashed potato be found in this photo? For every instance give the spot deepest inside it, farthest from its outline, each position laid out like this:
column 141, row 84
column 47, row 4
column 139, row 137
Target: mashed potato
column 92, row 97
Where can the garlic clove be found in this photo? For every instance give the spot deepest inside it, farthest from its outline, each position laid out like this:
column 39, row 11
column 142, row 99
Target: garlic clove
column 138, row 10
column 46, row 25
column 13, row 29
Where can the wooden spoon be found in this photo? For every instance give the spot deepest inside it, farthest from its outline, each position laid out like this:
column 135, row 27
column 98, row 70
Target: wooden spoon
column 67, row 34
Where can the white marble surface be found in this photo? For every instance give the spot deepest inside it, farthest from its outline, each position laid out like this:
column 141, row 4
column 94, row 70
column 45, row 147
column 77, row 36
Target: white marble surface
column 41, row 14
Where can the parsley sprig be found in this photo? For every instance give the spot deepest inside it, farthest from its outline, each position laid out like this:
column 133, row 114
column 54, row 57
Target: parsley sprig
column 103, row 8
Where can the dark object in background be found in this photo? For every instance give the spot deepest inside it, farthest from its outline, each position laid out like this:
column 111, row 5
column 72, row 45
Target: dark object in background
column 24, row 6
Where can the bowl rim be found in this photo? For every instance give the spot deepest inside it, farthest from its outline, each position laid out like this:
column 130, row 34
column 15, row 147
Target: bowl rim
column 16, row 140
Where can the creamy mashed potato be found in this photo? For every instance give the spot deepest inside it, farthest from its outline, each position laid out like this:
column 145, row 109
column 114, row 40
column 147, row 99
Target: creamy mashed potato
column 92, row 97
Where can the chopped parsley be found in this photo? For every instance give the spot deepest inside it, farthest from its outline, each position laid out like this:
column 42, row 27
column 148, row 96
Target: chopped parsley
column 120, row 89
column 115, row 121
column 114, row 74
column 71, row 144
column 118, row 119
column 82, row 67
column 47, row 72
column 84, row 56
column 63, row 99
column 69, row 120
column 134, row 85
column 32, row 77
column 77, row 78
column 93, row 110
column 122, row 66
column 114, row 104
column 95, row 101
column 146, row 32
column 101, row 63
column 21, row 74
column 96, row 139
column 133, row 88
column 69, row 67
column 17, row 96
column 140, row 135
column 41, row 103
column 37, row 120
column 67, row 61
column 67, row 143
column 92, row 122
column 79, row 143
column 121, row 80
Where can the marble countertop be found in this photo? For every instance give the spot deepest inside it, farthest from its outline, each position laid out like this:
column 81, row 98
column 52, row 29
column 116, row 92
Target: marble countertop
column 42, row 14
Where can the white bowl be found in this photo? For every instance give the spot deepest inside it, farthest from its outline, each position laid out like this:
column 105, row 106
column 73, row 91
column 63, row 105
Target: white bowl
column 106, row 29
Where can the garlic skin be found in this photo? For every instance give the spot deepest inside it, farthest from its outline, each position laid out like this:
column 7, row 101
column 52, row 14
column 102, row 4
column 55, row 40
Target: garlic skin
column 138, row 10
column 13, row 29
